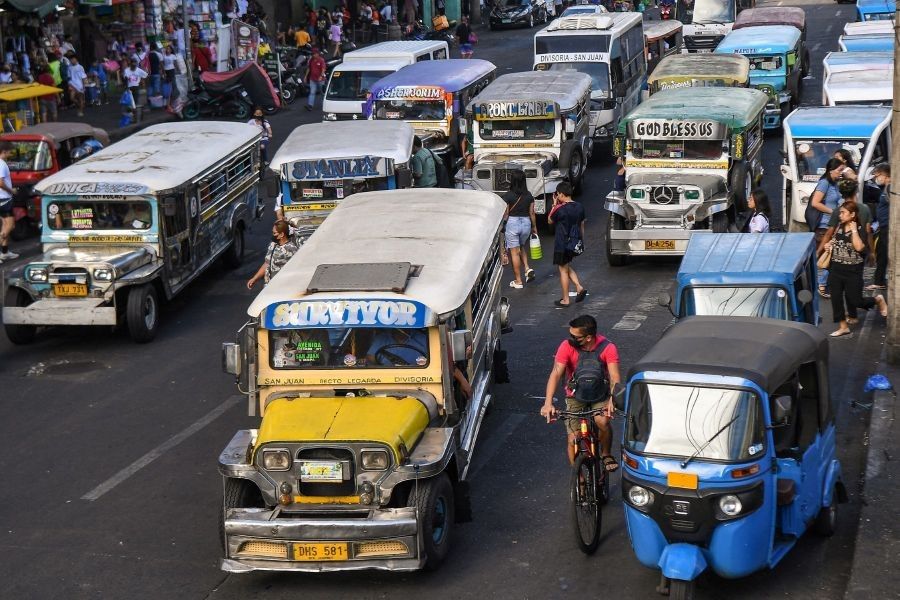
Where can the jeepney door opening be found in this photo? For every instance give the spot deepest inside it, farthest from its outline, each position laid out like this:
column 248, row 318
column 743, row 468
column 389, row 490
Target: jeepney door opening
column 176, row 229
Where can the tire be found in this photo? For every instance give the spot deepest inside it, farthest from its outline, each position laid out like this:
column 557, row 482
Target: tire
column 19, row 334
column 289, row 93
column 21, row 230
column 142, row 313
column 234, row 254
column 741, row 184
column 680, row 589
column 618, row 223
column 826, row 521
column 238, row 493
column 571, row 160
column 237, row 109
column 191, row 110
column 719, row 222
column 435, row 503
column 586, row 514
column 270, row 110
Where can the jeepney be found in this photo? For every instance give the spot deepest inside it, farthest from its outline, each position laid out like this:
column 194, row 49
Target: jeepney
column 706, row 22
column 843, row 62
column 694, row 70
column 432, row 96
column 871, row 36
column 692, row 157
column 812, row 134
column 872, row 87
column 661, row 39
column 320, row 164
column 876, row 10
column 370, row 358
column 775, row 53
column 609, row 48
column 538, row 122
column 135, row 222
column 793, row 16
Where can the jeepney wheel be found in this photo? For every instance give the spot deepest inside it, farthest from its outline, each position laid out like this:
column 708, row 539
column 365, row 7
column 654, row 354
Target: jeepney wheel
column 238, row 493
column 571, row 160
column 826, row 521
column 142, row 313
column 234, row 254
column 719, row 222
column 19, row 334
column 288, row 93
column 616, row 222
column 680, row 589
column 741, row 184
column 434, row 501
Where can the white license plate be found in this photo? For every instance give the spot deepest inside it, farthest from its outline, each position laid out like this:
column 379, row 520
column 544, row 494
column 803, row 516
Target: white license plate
column 322, row 471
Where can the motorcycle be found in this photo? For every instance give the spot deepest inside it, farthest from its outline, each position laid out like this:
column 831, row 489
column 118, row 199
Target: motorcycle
column 234, row 102
column 418, row 32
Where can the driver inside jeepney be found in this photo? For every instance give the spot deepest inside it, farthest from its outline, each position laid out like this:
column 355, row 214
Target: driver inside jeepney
column 397, row 347
column 348, row 347
column 137, row 216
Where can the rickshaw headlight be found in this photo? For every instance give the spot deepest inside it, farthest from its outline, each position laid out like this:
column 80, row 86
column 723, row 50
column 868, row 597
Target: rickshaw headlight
column 639, row 496
column 730, row 505
column 276, row 460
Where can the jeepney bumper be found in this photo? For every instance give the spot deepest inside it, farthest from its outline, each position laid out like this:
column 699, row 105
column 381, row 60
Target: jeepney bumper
column 61, row 311
column 647, row 241
column 265, row 540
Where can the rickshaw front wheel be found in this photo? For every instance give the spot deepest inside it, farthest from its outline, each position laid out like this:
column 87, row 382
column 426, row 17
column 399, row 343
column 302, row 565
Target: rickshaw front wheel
column 680, row 589
column 826, row 521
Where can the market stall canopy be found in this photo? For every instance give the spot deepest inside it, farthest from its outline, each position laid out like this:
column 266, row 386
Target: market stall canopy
column 42, row 7
column 11, row 92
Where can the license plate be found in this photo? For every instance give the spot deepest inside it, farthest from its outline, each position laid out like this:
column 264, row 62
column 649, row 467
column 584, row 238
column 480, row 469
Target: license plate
column 320, row 552
column 70, row 289
column 507, row 20
column 685, row 481
column 659, row 244
column 329, row 472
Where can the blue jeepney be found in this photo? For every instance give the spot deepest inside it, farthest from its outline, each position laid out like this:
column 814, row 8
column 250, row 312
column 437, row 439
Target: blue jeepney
column 729, row 450
column 843, row 62
column 771, row 275
column 867, row 42
column 775, row 53
column 431, row 96
column 876, row 10
column 812, row 134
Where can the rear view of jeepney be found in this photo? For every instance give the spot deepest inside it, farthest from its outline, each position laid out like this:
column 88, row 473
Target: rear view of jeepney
column 538, row 123
column 353, row 358
column 691, row 158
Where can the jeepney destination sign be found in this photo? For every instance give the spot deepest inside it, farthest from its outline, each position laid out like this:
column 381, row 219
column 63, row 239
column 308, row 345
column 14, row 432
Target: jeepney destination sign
column 666, row 129
column 339, row 168
column 525, row 109
column 341, row 313
column 95, row 188
column 572, row 57
column 410, row 92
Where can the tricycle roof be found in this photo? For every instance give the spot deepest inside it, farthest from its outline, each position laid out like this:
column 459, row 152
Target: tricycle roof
column 764, row 39
column 451, row 75
column 869, row 28
column 565, row 88
column 654, row 30
column 771, row 15
column 764, row 351
column 447, row 234
column 721, row 258
column 10, row 92
column 158, row 158
column 735, row 107
column 735, row 67
column 591, row 24
column 852, row 61
column 56, row 132
column 345, row 139
column 836, row 122
column 395, row 49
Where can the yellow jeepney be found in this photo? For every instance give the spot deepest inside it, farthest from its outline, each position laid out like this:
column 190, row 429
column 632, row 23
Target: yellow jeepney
column 699, row 70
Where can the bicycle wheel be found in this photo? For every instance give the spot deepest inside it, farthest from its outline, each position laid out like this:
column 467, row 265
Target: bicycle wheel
column 586, row 515
column 602, row 484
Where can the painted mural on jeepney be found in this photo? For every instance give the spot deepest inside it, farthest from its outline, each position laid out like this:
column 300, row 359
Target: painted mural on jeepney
column 340, row 168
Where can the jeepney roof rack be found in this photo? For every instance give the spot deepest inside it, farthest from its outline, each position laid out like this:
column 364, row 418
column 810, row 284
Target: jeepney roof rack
column 362, row 277
column 574, row 22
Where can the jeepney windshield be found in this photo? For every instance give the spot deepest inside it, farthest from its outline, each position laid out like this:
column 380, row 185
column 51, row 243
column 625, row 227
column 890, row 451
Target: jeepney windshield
column 348, row 348
column 706, row 11
column 411, row 110
column 517, row 129
column 767, row 64
column 87, row 213
column 878, row 16
column 677, row 420
column 30, row 156
column 353, row 85
column 812, row 155
column 769, row 302
column 551, row 44
column 598, row 71
column 677, row 149
column 334, row 189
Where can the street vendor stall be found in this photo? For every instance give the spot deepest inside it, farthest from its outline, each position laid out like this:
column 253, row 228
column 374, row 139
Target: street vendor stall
column 19, row 104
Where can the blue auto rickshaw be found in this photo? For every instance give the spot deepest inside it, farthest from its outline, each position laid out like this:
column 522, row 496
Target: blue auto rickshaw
column 876, row 10
column 771, row 275
column 729, row 448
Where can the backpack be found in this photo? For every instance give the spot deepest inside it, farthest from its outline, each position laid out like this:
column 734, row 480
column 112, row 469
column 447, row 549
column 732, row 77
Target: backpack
column 590, row 381
column 440, row 171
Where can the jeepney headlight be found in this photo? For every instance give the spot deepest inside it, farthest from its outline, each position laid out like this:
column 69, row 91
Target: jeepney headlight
column 330, row 117
column 36, row 274
column 730, row 505
column 637, row 193
column 804, row 200
column 639, row 496
column 276, row 460
column 103, row 274
column 692, row 194
column 374, row 460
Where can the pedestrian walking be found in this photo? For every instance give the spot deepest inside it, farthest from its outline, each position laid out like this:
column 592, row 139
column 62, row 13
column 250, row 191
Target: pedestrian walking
column 520, row 224
column 49, row 103
column 77, row 80
column 7, row 222
column 882, row 214
column 279, row 252
column 260, row 121
column 134, row 75
column 568, row 216
column 335, row 36
column 155, row 64
column 323, row 24
column 465, row 38
column 758, row 202
column 315, row 77
column 169, row 70
column 424, row 170
column 824, row 201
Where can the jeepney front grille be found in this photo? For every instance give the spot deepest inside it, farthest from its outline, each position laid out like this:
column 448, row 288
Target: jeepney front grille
column 344, row 488
column 674, row 216
column 381, row 548
column 264, row 549
column 70, row 271
column 702, row 42
column 664, row 195
column 503, row 179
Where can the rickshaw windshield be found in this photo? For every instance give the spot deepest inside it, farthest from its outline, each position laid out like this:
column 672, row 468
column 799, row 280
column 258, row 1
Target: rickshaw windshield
column 86, row 213
column 769, row 302
column 878, row 16
column 517, row 129
column 30, row 156
column 411, row 110
column 677, row 420
column 677, row 149
column 706, row 11
column 812, row 155
column 348, row 348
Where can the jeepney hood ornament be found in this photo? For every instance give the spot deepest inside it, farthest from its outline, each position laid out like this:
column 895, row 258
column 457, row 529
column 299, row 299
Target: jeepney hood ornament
column 499, row 158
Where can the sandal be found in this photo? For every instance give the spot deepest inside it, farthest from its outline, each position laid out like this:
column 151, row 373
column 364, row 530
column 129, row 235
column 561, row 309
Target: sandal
column 840, row 333
column 529, row 275
column 823, row 291
column 559, row 304
column 882, row 305
column 580, row 295
column 610, row 463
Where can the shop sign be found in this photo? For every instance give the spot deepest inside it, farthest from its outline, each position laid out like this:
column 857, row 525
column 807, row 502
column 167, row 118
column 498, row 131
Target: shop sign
column 666, row 129
column 338, row 168
column 344, row 313
column 95, row 188
column 245, row 42
column 526, row 109
column 410, row 92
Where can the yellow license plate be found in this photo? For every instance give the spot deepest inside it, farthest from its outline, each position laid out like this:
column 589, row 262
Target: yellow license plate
column 659, row 244
column 320, row 552
column 685, row 481
column 70, row 289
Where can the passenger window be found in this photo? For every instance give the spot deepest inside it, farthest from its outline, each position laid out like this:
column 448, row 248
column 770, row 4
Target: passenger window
column 422, row 57
column 617, row 71
column 808, row 409
column 440, row 54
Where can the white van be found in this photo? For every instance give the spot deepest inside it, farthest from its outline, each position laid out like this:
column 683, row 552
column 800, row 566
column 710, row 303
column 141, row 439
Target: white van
column 351, row 80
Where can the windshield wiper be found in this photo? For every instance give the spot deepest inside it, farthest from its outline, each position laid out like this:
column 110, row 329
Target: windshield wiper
column 709, row 441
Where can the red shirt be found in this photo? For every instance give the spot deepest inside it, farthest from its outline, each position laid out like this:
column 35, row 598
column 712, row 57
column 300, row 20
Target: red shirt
column 568, row 356
column 47, row 79
column 317, row 68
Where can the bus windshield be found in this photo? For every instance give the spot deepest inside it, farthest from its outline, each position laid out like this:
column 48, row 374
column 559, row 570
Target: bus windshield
column 411, row 110
column 813, row 154
column 769, row 302
column 706, row 11
column 598, row 71
column 677, row 149
column 85, row 213
column 517, row 129
column 353, row 85
column 348, row 348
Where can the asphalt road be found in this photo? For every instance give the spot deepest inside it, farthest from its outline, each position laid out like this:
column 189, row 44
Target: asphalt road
column 111, row 488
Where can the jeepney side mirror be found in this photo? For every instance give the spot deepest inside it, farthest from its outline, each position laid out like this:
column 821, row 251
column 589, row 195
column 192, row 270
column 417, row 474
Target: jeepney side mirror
column 618, row 396
column 620, row 91
column 271, row 185
column 460, row 342
column 231, row 358
column 804, row 297
column 781, row 410
column 786, row 172
column 404, row 177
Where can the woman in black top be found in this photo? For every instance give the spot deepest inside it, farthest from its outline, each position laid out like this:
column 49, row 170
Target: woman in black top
column 568, row 216
column 519, row 226
column 845, row 275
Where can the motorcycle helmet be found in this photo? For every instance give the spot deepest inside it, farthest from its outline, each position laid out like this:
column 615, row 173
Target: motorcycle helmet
column 79, row 153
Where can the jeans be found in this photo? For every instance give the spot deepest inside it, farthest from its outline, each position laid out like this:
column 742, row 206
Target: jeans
column 155, row 86
column 313, row 88
column 518, row 232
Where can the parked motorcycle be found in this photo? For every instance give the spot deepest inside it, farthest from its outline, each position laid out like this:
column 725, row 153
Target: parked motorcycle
column 234, row 102
column 418, row 32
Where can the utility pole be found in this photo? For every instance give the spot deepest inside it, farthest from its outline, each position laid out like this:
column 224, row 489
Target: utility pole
column 893, row 319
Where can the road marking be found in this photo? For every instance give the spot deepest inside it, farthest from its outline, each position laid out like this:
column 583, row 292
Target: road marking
column 829, row 28
column 816, row 46
column 630, row 321
column 648, row 301
column 497, row 441
column 170, row 443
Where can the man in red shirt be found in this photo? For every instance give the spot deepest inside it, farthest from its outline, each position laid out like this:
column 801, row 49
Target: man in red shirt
column 583, row 337
column 315, row 76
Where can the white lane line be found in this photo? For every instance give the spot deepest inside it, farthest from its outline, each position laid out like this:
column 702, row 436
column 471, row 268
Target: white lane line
column 498, row 440
column 630, row 321
column 829, row 28
column 170, row 443
column 816, row 47
column 633, row 319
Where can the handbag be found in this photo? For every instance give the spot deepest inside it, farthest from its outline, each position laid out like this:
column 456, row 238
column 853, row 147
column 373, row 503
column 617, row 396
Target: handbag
column 473, row 38
column 824, row 259
column 534, row 248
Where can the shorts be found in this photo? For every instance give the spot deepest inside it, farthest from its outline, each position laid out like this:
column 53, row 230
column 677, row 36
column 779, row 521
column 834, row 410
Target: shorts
column 6, row 208
column 50, row 107
column 572, row 405
column 563, row 258
column 518, row 230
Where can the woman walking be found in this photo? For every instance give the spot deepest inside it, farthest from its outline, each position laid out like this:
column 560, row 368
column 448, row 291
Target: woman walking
column 824, row 201
column 845, row 276
column 758, row 202
column 569, row 241
column 519, row 227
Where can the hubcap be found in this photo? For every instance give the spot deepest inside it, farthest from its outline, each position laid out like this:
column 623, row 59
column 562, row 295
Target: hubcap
column 149, row 312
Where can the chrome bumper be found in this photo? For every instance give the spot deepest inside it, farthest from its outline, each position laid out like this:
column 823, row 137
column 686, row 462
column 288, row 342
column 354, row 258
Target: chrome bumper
column 61, row 311
column 632, row 242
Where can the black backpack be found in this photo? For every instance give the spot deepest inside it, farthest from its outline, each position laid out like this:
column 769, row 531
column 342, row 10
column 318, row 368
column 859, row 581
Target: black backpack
column 440, row 171
column 590, row 381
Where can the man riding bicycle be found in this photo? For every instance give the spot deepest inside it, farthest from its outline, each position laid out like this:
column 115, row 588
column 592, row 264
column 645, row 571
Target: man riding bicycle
column 585, row 360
